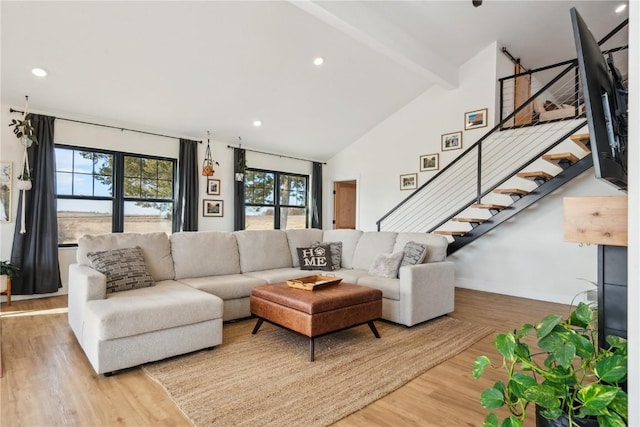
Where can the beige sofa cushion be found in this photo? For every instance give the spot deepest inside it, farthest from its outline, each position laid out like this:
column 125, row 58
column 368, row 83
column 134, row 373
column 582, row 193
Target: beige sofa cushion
column 349, row 239
column 232, row 286
column 204, row 253
column 263, row 250
column 371, row 244
column 155, row 249
column 436, row 245
column 301, row 238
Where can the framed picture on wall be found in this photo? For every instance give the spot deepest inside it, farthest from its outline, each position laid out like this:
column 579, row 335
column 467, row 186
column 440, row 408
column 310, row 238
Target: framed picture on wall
column 451, row 141
column 213, row 208
column 5, row 191
column 475, row 119
column 213, row 187
column 409, row 181
column 429, row 162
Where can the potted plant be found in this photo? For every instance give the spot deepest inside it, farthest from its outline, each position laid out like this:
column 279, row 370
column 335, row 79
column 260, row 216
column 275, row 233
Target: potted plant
column 7, row 272
column 24, row 179
column 241, row 167
column 570, row 380
column 24, row 130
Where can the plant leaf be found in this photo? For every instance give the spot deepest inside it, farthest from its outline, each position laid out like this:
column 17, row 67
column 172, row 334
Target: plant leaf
column 490, row 421
column 546, row 326
column 480, row 365
column 581, row 316
column 620, row 404
column 524, row 331
column 550, row 342
column 506, row 343
column 551, row 414
column 597, row 397
column 492, row 398
column 520, row 382
column 612, row 369
column 542, row 395
column 584, row 346
column 611, row 420
column 617, row 342
column 564, row 354
column 511, row 422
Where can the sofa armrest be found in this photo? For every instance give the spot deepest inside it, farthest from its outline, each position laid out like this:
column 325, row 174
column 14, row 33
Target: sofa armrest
column 426, row 291
column 85, row 284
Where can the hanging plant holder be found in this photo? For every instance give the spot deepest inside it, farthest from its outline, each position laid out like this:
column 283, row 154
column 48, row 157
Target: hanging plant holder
column 207, row 164
column 23, row 129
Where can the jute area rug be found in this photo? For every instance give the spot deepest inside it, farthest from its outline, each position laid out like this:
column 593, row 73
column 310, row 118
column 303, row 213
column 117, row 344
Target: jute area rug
column 267, row 380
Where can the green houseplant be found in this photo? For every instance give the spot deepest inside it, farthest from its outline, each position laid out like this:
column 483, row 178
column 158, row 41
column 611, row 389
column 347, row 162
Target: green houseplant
column 24, row 130
column 570, row 378
column 9, row 270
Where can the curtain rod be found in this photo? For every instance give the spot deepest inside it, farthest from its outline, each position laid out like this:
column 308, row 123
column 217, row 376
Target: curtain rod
column 12, row 110
column 276, row 155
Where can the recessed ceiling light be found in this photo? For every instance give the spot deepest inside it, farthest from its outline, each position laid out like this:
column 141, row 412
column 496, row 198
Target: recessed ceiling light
column 257, row 123
column 318, row 61
column 40, row 72
column 621, row 8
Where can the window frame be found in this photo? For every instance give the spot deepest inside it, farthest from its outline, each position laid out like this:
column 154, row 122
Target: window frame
column 277, row 206
column 118, row 198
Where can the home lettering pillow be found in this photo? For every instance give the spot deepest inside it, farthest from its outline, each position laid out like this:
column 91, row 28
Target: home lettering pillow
column 386, row 265
column 414, row 253
column 336, row 252
column 315, row 258
column 125, row 268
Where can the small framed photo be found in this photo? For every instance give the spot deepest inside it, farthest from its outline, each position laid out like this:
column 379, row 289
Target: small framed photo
column 5, row 191
column 429, row 162
column 451, row 141
column 213, row 187
column 409, row 181
column 475, row 119
column 213, row 208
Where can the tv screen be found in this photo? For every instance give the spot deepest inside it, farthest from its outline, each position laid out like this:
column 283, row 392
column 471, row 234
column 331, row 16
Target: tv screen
column 605, row 98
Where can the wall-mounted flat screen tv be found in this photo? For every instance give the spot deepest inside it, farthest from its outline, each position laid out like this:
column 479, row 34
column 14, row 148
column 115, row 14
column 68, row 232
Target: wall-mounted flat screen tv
column 605, row 98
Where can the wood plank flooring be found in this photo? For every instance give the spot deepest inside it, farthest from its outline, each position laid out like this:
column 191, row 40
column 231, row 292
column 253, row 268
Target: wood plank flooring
column 47, row 380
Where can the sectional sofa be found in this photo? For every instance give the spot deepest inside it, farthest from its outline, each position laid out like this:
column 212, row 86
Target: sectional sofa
column 201, row 279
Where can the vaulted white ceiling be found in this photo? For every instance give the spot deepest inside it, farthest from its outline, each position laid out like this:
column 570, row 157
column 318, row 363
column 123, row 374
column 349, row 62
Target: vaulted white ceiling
column 188, row 67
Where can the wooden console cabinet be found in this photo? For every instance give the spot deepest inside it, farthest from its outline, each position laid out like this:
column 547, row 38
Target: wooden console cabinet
column 603, row 221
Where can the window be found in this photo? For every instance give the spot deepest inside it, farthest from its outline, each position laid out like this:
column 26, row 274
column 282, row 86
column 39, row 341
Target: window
column 275, row 200
column 104, row 191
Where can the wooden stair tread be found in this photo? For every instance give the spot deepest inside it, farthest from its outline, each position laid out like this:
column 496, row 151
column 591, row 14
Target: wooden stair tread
column 450, row 233
column 511, row 191
column 535, row 175
column 488, row 206
column 558, row 157
column 581, row 140
column 478, row 220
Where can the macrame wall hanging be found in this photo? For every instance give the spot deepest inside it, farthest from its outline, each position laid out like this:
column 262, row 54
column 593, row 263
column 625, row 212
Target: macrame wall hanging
column 207, row 165
column 24, row 132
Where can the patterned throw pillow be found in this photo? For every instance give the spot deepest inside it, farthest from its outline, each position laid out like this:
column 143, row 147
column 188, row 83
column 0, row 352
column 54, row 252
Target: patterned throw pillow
column 315, row 258
column 414, row 253
column 336, row 253
column 386, row 265
column 125, row 268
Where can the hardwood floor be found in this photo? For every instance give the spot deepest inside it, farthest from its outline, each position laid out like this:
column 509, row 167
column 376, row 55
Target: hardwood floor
column 48, row 381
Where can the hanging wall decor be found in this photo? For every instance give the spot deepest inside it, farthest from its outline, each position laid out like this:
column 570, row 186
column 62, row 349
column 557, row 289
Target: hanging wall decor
column 24, row 132
column 241, row 165
column 207, row 165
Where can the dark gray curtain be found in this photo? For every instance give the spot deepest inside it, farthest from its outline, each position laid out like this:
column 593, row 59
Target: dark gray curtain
column 36, row 251
column 316, row 196
column 185, row 211
column 238, row 186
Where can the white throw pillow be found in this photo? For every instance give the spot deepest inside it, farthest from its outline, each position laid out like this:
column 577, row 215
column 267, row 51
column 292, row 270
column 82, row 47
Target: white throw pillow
column 386, row 265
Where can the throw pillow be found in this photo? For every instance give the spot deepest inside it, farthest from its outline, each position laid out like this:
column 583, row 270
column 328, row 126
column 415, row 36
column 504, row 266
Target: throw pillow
column 336, row 252
column 125, row 268
column 386, row 265
column 414, row 253
column 315, row 258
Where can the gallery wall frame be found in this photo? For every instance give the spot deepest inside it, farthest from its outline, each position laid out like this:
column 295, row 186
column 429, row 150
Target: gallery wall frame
column 451, row 141
column 5, row 191
column 475, row 119
column 429, row 162
column 409, row 181
column 213, row 187
column 212, row 208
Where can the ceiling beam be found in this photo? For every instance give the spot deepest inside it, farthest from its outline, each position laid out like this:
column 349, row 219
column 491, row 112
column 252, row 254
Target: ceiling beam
column 364, row 25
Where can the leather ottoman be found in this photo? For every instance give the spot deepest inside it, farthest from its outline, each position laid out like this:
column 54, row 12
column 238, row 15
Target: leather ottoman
column 318, row 312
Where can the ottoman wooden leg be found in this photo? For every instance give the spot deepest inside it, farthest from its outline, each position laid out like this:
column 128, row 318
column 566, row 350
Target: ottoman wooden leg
column 258, row 324
column 311, row 349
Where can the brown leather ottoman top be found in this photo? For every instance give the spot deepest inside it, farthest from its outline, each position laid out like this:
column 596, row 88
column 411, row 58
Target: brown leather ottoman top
column 326, row 299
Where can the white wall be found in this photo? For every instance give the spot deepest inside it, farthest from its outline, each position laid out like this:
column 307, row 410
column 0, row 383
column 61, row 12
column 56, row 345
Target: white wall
column 525, row 256
column 394, row 147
